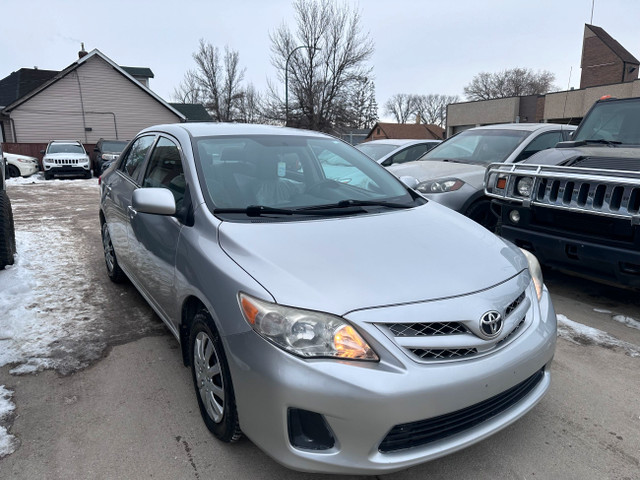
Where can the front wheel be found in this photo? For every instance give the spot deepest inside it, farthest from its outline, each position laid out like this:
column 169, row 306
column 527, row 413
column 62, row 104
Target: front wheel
column 212, row 379
column 13, row 171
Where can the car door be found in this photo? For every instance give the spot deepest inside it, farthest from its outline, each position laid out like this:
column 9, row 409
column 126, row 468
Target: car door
column 541, row 142
column 154, row 238
column 118, row 188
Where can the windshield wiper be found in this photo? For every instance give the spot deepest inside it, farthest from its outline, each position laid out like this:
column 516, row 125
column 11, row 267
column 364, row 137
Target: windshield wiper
column 602, row 141
column 343, row 204
column 259, row 210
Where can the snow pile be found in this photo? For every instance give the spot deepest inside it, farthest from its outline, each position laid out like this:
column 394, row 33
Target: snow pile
column 584, row 335
column 39, row 178
column 628, row 321
column 7, row 441
column 43, row 312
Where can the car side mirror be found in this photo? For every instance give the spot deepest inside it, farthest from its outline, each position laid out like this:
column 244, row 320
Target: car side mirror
column 409, row 181
column 95, row 149
column 157, row 201
column 42, row 152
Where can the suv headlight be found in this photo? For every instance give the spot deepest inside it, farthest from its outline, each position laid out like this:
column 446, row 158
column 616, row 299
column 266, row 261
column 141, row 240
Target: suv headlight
column 535, row 271
column 305, row 333
column 440, row 186
column 524, row 186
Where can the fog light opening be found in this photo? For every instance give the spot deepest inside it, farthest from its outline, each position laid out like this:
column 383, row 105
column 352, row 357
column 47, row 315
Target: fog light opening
column 309, row 430
column 514, row 216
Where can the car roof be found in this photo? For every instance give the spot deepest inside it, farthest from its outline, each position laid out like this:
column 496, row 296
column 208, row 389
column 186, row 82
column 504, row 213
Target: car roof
column 66, row 141
column 531, row 127
column 210, row 129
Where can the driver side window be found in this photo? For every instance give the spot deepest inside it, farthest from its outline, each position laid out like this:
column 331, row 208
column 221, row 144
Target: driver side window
column 133, row 160
column 165, row 170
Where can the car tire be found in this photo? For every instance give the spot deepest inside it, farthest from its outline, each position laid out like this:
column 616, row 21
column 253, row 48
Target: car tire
column 7, row 232
column 480, row 212
column 48, row 175
column 13, row 171
column 116, row 275
column 212, row 379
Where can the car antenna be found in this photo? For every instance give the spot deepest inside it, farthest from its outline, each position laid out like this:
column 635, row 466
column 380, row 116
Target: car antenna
column 566, row 95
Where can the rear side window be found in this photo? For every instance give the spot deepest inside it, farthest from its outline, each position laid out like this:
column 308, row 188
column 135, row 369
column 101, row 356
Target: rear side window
column 134, row 158
column 165, row 170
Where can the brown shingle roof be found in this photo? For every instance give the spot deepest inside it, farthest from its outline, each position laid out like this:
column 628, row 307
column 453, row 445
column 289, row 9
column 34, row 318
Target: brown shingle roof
column 613, row 44
column 416, row 131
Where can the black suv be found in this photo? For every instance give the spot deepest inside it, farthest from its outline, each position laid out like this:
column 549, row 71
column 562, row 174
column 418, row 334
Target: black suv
column 7, row 233
column 105, row 153
column 577, row 206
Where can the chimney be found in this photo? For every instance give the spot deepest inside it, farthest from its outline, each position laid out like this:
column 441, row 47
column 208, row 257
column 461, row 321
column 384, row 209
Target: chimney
column 418, row 118
column 82, row 51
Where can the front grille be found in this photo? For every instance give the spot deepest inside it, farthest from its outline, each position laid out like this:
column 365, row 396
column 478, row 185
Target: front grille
column 65, row 161
column 513, row 305
column 440, row 353
column 512, row 333
column 423, row 432
column 426, row 329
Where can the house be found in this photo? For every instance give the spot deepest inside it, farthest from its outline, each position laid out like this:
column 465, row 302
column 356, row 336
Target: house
column 416, row 131
column 92, row 98
column 194, row 112
column 607, row 69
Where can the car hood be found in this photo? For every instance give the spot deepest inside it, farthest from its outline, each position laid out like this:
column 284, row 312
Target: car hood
column 558, row 156
column 338, row 265
column 432, row 169
column 66, row 155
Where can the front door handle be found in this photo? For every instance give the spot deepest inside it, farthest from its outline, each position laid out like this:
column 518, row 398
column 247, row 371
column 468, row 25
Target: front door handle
column 132, row 212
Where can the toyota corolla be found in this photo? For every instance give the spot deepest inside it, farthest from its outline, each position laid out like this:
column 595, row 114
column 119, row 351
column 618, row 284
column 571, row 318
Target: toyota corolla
column 342, row 327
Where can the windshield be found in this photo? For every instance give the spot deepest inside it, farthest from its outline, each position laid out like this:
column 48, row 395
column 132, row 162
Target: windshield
column 290, row 172
column 376, row 151
column 113, row 147
column 65, row 148
column 613, row 122
column 478, row 146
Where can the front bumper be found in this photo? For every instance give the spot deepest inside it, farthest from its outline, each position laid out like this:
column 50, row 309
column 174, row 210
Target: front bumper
column 361, row 402
column 66, row 170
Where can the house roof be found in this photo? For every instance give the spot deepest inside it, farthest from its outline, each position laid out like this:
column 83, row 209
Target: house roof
column 195, row 112
column 77, row 64
column 613, row 44
column 138, row 71
column 416, row 131
column 21, row 82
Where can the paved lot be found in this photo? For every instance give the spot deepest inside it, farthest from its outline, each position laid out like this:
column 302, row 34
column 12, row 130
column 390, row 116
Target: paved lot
column 119, row 403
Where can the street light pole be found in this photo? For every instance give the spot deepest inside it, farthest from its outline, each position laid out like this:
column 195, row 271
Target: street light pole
column 286, row 81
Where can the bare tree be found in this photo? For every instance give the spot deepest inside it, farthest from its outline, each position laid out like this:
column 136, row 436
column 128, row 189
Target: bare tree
column 509, row 83
column 326, row 60
column 215, row 83
column 189, row 89
column 402, row 106
column 250, row 106
column 432, row 108
column 363, row 105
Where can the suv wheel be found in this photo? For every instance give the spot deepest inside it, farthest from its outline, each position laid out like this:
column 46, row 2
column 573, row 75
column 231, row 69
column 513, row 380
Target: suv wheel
column 7, row 232
column 48, row 175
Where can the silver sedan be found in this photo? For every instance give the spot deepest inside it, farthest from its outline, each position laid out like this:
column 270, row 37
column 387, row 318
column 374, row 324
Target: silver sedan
column 328, row 352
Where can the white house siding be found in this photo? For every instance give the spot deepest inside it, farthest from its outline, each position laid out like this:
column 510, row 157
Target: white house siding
column 57, row 111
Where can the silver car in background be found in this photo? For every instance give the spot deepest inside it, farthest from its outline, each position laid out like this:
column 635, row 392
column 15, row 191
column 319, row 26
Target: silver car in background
column 328, row 353
column 453, row 172
column 396, row 150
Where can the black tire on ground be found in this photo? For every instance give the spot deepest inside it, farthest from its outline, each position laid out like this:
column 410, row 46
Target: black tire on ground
column 48, row 175
column 116, row 275
column 480, row 212
column 13, row 171
column 87, row 174
column 212, row 379
column 7, row 232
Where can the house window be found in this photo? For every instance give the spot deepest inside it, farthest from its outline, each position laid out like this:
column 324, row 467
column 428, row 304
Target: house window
column 377, row 131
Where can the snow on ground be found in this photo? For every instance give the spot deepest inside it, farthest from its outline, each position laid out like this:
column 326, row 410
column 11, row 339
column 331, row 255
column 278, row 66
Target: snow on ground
column 584, row 335
column 39, row 178
column 7, row 441
column 628, row 321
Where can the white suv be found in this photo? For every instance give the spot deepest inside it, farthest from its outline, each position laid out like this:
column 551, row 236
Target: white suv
column 65, row 158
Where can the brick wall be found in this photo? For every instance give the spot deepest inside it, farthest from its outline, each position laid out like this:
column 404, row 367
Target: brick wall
column 600, row 65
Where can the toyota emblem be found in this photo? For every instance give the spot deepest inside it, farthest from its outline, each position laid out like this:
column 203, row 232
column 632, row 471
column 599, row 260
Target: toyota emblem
column 491, row 324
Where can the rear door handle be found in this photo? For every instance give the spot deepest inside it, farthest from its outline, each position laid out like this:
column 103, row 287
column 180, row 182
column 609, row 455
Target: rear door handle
column 132, row 212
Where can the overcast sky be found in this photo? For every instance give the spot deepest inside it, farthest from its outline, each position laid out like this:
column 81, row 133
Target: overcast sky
column 421, row 47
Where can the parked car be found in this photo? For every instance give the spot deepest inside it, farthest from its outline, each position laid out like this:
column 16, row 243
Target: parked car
column 20, row 165
column 268, row 272
column 105, row 153
column 65, row 158
column 577, row 206
column 7, row 231
column 389, row 152
column 453, row 172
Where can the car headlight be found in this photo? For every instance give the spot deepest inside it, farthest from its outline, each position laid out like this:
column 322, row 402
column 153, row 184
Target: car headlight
column 524, row 186
column 305, row 333
column 535, row 271
column 440, row 186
